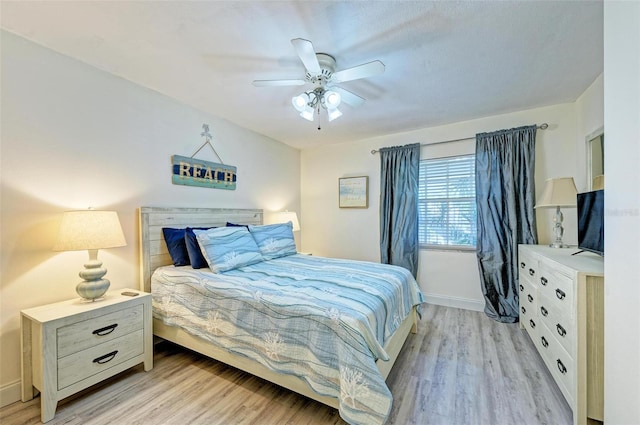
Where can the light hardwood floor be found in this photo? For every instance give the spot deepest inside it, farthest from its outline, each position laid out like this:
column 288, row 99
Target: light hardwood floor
column 460, row 368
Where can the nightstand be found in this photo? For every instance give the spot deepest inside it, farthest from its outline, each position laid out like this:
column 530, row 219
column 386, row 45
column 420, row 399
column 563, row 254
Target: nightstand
column 71, row 345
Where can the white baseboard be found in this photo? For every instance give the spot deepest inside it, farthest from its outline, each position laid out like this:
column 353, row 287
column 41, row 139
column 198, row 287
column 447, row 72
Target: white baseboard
column 457, row 302
column 10, row 393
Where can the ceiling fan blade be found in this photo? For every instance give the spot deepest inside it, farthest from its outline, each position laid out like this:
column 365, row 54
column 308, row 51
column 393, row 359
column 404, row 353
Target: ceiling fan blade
column 357, row 72
column 348, row 97
column 269, row 83
column 304, row 49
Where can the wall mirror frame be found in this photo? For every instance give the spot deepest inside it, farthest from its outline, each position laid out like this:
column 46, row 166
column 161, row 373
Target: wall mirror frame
column 595, row 159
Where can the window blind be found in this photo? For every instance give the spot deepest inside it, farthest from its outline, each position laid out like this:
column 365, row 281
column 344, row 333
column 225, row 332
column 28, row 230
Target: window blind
column 446, row 202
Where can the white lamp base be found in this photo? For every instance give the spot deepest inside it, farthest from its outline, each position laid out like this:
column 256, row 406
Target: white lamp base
column 92, row 289
column 93, row 286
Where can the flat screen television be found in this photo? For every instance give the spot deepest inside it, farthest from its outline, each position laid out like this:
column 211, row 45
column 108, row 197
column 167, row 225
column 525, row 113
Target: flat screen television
column 591, row 221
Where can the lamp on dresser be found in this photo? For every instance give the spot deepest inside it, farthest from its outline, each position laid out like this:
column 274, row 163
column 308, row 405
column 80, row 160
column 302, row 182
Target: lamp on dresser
column 288, row 216
column 91, row 230
column 558, row 192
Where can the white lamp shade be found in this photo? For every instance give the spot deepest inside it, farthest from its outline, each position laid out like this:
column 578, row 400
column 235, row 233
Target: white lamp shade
column 558, row 192
column 89, row 229
column 332, row 99
column 288, row 216
column 300, row 102
column 307, row 113
column 332, row 114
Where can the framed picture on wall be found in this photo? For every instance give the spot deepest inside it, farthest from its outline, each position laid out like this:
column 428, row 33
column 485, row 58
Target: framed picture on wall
column 354, row 192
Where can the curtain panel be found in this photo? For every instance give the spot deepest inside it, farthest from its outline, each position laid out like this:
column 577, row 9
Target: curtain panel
column 399, row 176
column 505, row 198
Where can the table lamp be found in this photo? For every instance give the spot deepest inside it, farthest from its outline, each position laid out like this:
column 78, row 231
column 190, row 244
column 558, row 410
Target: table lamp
column 288, row 216
column 558, row 192
column 90, row 230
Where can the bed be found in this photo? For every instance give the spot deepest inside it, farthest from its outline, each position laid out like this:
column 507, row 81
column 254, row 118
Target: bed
column 215, row 315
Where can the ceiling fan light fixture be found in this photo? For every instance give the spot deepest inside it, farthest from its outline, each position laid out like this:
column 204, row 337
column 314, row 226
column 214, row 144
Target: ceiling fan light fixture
column 307, row 113
column 300, row 102
column 332, row 99
column 334, row 113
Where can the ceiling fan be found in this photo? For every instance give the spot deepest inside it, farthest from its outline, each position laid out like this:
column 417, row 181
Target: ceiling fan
column 321, row 72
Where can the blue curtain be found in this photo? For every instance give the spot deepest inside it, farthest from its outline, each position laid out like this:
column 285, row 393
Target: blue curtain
column 399, row 174
column 505, row 197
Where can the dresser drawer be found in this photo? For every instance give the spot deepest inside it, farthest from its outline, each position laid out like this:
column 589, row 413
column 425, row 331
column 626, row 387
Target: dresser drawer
column 83, row 364
column 559, row 323
column 558, row 288
column 558, row 361
column 88, row 333
column 527, row 267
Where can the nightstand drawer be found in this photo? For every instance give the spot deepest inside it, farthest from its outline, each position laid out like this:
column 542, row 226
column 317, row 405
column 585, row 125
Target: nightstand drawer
column 81, row 365
column 88, row 333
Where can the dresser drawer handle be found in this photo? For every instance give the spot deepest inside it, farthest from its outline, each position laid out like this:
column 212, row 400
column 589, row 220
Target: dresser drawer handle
column 524, row 310
column 561, row 330
column 545, row 343
column 544, row 311
column 561, row 367
column 532, row 323
column 531, row 272
column 521, row 288
column 560, row 294
column 106, row 358
column 106, row 330
column 530, row 298
column 544, row 281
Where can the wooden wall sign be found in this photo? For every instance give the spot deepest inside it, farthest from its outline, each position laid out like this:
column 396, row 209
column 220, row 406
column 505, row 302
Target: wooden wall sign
column 196, row 172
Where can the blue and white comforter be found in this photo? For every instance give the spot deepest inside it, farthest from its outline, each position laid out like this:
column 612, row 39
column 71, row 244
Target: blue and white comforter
column 323, row 320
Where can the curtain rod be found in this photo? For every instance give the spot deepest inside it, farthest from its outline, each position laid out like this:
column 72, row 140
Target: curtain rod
column 542, row 126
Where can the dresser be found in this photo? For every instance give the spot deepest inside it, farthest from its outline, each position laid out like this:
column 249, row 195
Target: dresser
column 562, row 310
column 71, row 345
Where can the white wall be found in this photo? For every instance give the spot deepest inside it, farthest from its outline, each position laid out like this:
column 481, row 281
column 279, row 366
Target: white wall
column 446, row 277
column 73, row 137
column 622, row 212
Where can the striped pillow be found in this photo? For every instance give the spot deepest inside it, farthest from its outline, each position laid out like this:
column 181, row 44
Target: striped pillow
column 274, row 240
column 227, row 248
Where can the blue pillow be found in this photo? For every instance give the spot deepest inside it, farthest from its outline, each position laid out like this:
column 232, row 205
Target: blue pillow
column 274, row 240
column 195, row 255
column 227, row 248
column 174, row 238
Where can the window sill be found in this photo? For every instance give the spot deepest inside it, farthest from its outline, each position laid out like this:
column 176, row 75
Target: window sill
column 449, row 248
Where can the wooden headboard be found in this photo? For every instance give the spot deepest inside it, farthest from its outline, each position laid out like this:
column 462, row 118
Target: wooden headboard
column 153, row 250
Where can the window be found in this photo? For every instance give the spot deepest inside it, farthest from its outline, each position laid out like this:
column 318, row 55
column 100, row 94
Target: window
column 446, row 202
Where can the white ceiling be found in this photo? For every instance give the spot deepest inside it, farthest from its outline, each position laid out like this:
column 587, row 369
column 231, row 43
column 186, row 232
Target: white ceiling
column 445, row 61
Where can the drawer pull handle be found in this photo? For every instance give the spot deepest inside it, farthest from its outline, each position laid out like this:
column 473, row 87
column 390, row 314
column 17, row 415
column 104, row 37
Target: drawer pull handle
column 532, row 272
column 521, row 288
column 524, row 310
column 522, row 265
column 561, row 367
column 544, row 311
column 544, row 281
column 545, row 343
column 530, row 298
column 561, row 330
column 106, row 330
column 106, row 358
column 560, row 294
column 532, row 323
